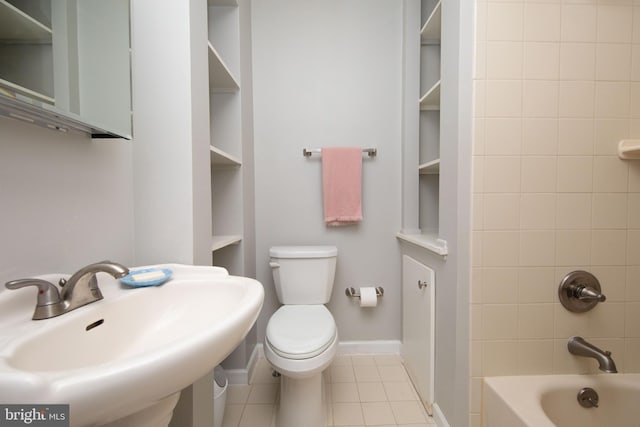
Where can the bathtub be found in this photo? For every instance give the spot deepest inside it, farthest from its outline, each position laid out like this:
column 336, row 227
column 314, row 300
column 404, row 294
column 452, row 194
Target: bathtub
column 551, row 400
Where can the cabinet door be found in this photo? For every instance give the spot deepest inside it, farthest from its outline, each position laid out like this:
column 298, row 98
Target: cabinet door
column 418, row 326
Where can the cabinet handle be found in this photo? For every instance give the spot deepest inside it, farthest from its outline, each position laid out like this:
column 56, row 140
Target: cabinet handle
column 422, row 284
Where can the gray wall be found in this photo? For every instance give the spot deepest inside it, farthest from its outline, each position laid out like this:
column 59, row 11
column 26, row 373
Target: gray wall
column 66, row 201
column 329, row 74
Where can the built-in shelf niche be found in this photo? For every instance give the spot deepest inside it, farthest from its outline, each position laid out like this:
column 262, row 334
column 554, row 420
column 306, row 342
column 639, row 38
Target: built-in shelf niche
column 431, row 30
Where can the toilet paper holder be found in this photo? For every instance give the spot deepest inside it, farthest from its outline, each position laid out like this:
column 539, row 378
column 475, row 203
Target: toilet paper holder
column 351, row 292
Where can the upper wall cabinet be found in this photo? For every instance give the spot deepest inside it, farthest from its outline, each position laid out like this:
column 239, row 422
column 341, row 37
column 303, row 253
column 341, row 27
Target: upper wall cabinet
column 65, row 64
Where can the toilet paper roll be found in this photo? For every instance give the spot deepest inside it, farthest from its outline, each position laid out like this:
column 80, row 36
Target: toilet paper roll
column 368, row 297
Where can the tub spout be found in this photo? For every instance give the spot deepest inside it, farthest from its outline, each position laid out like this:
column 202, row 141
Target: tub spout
column 579, row 347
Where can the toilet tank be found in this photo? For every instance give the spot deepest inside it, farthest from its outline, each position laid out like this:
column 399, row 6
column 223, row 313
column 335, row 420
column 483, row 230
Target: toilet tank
column 303, row 274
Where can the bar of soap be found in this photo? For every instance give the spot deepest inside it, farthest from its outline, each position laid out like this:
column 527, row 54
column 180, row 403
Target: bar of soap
column 147, row 276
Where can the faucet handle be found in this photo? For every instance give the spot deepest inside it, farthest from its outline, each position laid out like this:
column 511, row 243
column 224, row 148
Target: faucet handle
column 48, row 295
column 586, row 293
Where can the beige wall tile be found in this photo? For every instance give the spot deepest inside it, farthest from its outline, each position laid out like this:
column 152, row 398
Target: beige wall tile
column 538, row 211
column 542, row 22
column 505, row 99
column 504, row 21
column 576, row 137
column 539, row 174
column 535, row 357
column 503, row 136
column 501, row 174
column 536, row 285
column 504, row 60
column 576, row 99
column 608, row 247
column 499, row 321
column 540, row 136
column 609, row 210
column 614, row 23
column 535, row 321
column 500, row 286
column 613, row 61
column 537, row 248
column 632, row 319
column 633, row 214
column 612, row 280
column 577, row 61
column 574, row 211
column 612, row 100
column 573, row 247
column 608, row 132
column 578, row 22
column 499, row 358
column 633, row 247
column 610, row 174
column 540, row 98
column 542, row 60
column 575, row 174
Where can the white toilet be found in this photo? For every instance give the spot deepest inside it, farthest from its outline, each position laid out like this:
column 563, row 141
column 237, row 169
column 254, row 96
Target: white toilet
column 301, row 338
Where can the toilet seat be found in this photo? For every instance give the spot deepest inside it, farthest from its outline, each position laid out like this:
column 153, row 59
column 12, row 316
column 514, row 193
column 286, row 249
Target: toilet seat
column 300, row 332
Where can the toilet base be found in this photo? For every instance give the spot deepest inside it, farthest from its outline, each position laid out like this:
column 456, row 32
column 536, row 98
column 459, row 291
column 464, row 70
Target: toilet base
column 302, row 402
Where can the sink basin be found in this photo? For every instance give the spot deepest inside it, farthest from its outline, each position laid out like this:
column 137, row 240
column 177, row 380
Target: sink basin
column 135, row 347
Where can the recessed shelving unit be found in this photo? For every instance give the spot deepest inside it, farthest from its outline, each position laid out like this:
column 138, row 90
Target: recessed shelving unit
column 15, row 25
column 219, row 242
column 221, row 158
column 220, row 77
column 430, row 168
column 431, row 29
column 430, row 101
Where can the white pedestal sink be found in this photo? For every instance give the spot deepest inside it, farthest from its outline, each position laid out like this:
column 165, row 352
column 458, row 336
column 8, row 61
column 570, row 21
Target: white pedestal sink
column 130, row 352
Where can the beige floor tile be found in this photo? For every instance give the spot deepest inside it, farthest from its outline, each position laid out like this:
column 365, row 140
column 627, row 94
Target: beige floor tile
column 344, row 392
column 408, row 412
column 371, row 392
column 363, row 360
column 366, row 373
column 257, row 416
column 345, row 414
column 393, row 373
column 232, row 414
column 399, row 391
column 387, row 359
column 262, row 373
column 377, row 413
column 342, row 374
column 238, row 394
column 263, row 394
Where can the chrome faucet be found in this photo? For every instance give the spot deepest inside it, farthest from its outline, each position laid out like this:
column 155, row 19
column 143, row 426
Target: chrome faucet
column 80, row 289
column 580, row 347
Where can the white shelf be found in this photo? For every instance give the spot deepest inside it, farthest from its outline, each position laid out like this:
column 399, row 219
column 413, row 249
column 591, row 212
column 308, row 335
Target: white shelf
column 220, row 78
column 15, row 25
column 222, row 158
column 222, row 2
column 431, row 29
column 430, row 101
column 27, row 92
column 430, row 168
column 629, row 149
column 219, row 242
column 429, row 241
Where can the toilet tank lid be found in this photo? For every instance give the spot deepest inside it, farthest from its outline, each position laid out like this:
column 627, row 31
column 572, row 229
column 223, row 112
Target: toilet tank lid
column 303, row 251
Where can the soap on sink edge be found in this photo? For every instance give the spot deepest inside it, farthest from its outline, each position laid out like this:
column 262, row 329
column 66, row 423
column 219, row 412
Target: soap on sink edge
column 147, row 276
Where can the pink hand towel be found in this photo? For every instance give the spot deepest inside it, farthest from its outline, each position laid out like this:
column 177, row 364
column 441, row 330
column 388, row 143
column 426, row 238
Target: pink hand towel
column 342, row 185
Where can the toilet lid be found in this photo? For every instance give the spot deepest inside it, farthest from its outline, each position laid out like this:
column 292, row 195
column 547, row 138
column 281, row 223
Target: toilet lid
column 301, row 331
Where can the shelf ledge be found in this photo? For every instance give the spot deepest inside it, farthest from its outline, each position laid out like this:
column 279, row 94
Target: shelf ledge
column 629, row 149
column 220, row 77
column 431, row 99
column 222, row 158
column 15, row 25
column 431, row 30
column 219, row 242
column 430, row 168
column 429, row 241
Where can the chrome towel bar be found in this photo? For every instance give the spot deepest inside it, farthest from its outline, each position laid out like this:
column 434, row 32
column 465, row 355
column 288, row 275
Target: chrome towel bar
column 307, row 152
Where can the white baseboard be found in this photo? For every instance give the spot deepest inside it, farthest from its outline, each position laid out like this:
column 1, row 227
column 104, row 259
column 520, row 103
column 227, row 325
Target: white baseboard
column 345, row 348
column 439, row 417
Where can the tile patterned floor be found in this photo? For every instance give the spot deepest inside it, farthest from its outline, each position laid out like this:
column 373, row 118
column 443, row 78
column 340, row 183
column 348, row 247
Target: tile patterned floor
column 361, row 391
